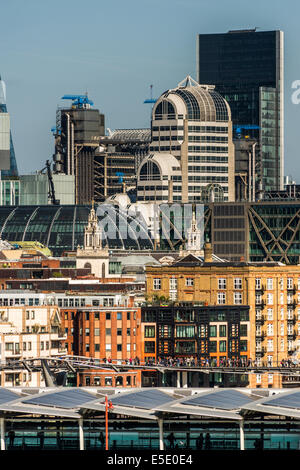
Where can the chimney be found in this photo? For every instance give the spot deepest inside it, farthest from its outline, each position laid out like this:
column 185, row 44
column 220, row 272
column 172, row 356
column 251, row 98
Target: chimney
column 207, row 252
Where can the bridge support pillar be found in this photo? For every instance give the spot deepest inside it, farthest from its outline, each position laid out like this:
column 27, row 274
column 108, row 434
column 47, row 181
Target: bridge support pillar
column 2, row 433
column 161, row 434
column 242, row 435
column 184, row 379
column 81, row 434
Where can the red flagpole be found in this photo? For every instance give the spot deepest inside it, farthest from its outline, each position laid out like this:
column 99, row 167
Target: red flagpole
column 106, row 423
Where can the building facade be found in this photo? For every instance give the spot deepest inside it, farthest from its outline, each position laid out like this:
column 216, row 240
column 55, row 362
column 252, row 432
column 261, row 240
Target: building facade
column 271, row 290
column 191, row 154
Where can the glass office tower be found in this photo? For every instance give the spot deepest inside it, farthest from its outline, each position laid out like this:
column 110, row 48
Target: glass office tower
column 246, row 67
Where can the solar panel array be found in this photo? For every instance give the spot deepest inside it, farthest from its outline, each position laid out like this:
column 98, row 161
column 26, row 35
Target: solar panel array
column 285, row 400
column 7, row 395
column 143, row 399
column 224, row 399
column 70, row 398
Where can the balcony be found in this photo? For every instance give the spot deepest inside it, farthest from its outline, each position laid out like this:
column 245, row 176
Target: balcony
column 260, row 289
column 292, row 304
column 260, row 334
column 260, row 319
column 260, row 304
column 292, row 289
column 261, row 350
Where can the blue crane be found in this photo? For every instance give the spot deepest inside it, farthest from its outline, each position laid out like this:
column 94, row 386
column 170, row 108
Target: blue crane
column 78, row 100
column 150, row 100
column 238, row 128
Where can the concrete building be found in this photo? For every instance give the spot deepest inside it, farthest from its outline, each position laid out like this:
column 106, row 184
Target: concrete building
column 191, row 154
column 77, row 135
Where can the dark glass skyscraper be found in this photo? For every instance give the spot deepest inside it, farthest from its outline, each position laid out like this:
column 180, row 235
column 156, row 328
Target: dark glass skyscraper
column 247, row 69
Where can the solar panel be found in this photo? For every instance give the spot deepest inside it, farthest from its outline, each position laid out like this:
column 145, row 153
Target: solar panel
column 224, row 399
column 143, row 399
column 289, row 400
column 7, row 395
column 71, row 398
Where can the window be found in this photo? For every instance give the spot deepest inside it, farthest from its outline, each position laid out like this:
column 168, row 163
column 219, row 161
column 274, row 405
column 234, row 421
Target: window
column 243, row 345
column 149, row 346
column 119, row 347
column 222, row 346
column 222, row 283
column 128, row 315
column 281, row 283
column 282, row 329
column 149, row 331
column 270, row 314
column 221, row 298
column 270, row 329
column 258, row 378
column 87, row 332
column 108, row 347
column 156, row 283
column 213, row 346
column 237, row 283
column 237, row 298
column 189, row 281
column 97, row 331
column 270, row 378
column 87, row 347
column 119, row 315
column 119, row 332
column 257, row 283
column 107, row 316
column 269, row 283
column 290, row 283
column 108, row 331
column 213, row 330
column 270, row 299
column 244, row 330
column 270, row 345
column 222, row 331
column 97, row 347
column 173, row 283
column 281, row 298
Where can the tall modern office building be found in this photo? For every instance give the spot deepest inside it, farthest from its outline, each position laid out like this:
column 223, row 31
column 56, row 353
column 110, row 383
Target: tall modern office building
column 246, row 67
column 191, row 154
column 8, row 164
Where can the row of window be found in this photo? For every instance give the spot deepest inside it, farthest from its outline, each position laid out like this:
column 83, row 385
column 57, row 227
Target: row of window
column 290, row 283
column 96, row 315
column 119, row 331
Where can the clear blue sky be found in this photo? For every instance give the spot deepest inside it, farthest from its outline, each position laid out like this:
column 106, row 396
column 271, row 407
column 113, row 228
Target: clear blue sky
column 115, row 49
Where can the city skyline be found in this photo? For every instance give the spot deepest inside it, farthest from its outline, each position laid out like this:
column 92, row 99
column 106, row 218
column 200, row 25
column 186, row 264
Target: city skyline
column 95, row 61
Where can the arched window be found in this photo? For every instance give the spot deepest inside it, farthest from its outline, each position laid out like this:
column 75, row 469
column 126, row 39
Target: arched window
column 119, row 381
column 103, row 269
column 150, row 171
column 165, row 110
column 87, row 266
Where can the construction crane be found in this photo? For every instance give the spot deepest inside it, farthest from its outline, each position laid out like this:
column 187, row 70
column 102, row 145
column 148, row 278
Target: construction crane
column 79, row 101
column 51, row 192
column 238, row 128
column 150, row 100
